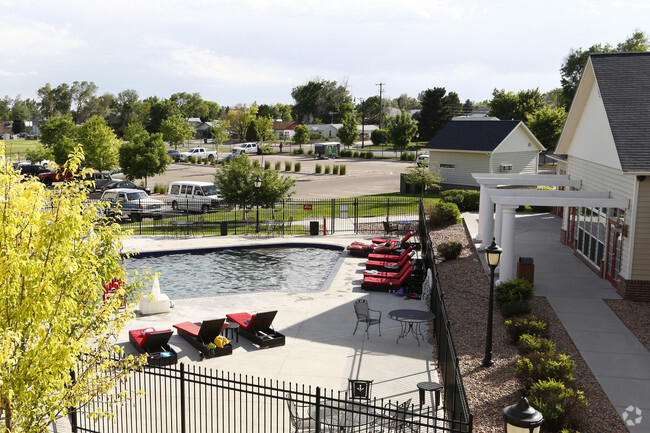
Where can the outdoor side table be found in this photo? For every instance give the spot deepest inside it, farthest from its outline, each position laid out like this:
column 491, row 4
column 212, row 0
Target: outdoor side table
column 411, row 322
column 232, row 331
column 429, row 386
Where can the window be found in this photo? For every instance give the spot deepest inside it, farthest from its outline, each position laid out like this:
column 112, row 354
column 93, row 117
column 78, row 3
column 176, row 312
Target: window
column 447, row 165
column 506, row 167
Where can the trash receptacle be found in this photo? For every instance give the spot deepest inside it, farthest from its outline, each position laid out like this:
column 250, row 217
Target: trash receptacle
column 224, row 228
column 313, row 228
column 526, row 269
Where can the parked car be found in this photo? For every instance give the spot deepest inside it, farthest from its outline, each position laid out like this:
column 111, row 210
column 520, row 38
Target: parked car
column 193, row 196
column 174, row 154
column 58, row 175
column 133, row 203
column 199, row 153
column 226, row 159
column 125, row 184
column 99, row 180
column 250, row 148
column 32, row 169
column 422, row 160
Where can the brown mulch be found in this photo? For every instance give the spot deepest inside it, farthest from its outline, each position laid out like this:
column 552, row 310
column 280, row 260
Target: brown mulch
column 466, row 289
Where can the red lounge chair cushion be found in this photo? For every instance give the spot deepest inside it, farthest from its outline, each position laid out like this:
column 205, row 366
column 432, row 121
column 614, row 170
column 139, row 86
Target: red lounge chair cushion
column 242, row 319
column 391, row 257
column 140, row 336
column 189, row 327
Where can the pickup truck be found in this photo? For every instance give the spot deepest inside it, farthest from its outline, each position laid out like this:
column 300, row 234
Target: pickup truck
column 247, row 148
column 57, row 175
column 198, row 153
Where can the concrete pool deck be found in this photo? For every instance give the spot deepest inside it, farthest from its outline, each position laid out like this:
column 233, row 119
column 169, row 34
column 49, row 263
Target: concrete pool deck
column 320, row 349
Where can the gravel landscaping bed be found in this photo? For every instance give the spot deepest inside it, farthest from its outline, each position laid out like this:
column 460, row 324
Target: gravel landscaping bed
column 635, row 315
column 466, row 289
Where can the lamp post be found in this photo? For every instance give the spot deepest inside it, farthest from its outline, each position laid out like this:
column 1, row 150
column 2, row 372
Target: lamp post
column 258, row 185
column 522, row 418
column 492, row 255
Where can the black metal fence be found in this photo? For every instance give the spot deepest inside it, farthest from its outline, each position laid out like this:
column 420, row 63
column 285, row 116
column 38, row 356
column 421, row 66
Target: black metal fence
column 290, row 217
column 455, row 399
column 192, row 399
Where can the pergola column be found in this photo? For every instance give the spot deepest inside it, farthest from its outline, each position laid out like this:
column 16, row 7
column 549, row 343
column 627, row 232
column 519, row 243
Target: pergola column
column 507, row 264
column 498, row 222
column 485, row 219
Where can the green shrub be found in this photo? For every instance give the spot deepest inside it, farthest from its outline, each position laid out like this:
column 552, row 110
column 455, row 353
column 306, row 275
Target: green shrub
column 450, row 250
column 444, row 214
column 530, row 343
column 277, row 165
column 514, row 297
column 355, row 154
column 402, row 156
column 342, row 170
column 315, row 135
column 541, row 366
column 159, row 189
column 319, row 168
column 467, row 200
column 335, row 169
column 213, row 161
column 267, row 165
column 310, row 152
column 256, row 163
column 370, row 155
column 410, row 156
column 287, row 165
column 206, row 161
column 346, row 153
column 296, row 167
column 558, row 404
column 526, row 325
column 190, row 159
column 299, row 151
column 328, row 169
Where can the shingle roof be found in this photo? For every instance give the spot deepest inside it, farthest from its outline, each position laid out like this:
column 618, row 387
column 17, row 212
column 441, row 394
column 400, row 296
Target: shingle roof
column 624, row 83
column 472, row 135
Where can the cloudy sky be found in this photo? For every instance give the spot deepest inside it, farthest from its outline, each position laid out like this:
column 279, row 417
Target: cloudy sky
column 245, row 51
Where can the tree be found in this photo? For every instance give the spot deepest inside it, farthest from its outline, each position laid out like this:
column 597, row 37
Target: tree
column 405, row 102
column 83, row 95
column 546, row 124
column 158, row 112
column 574, row 64
column 348, row 133
column 176, row 130
column 219, row 131
column 424, row 177
column 53, row 319
column 370, row 109
column 126, row 105
column 144, row 155
column 401, row 129
column 236, row 181
column 5, row 108
column 264, row 128
column 37, row 154
column 438, row 108
column 321, row 100
column 379, row 136
column 515, row 106
column 240, row 120
column 18, row 126
column 100, row 145
column 58, row 136
column 301, row 135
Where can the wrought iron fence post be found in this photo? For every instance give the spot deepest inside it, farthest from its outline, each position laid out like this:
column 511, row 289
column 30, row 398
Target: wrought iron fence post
column 72, row 411
column 318, row 409
column 182, row 394
column 333, row 215
column 388, row 209
column 356, row 216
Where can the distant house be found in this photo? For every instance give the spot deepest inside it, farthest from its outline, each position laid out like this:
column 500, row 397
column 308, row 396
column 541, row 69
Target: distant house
column 464, row 147
column 326, row 130
column 480, row 113
column 366, row 130
column 285, row 130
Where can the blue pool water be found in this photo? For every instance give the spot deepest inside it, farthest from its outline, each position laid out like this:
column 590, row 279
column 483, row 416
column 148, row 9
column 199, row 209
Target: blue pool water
column 198, row 275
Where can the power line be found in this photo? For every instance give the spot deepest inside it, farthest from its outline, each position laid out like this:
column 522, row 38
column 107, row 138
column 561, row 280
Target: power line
column 381, row 108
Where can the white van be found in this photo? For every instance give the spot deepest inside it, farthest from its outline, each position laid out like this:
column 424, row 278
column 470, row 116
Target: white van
column 193, row 196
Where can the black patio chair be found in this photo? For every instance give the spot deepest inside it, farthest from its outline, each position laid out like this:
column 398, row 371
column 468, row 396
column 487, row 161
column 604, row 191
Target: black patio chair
column 359, row 389
column 394, row 419
column 390, row 228
column 365, row 315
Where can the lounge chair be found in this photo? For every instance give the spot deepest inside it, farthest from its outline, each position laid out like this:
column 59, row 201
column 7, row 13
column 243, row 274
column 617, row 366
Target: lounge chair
column 387, row 283
column 200, row 335
column 395, row 273
column 388, row 266
column 257, row 328
column 394, row 242
column 391, row 257
column 155, row 344
column 362, row 249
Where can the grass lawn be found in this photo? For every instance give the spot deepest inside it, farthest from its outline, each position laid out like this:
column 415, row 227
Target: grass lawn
column 16, row 149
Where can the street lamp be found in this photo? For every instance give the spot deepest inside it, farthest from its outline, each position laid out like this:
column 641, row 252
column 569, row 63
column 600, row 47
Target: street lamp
column 258, row 185
column 492, row 255
column 522, row 418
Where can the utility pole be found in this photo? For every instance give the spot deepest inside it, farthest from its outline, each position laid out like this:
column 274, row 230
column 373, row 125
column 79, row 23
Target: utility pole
column 381, row 108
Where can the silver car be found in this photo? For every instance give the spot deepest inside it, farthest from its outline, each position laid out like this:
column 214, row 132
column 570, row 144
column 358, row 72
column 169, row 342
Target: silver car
column 133, row 203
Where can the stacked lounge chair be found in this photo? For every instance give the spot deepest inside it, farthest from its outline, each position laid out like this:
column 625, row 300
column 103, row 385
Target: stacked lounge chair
column 258, row 328
column 385, row 281
column 380, row 246
column 387, row 262
column 155, row 344
column 200, row 335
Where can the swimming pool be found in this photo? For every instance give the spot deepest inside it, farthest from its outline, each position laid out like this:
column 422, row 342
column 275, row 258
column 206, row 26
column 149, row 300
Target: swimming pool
column 205, row 273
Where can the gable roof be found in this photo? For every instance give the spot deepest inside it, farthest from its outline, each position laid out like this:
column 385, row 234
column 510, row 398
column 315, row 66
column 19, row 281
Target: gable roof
column 624, row 83
column 472, row 135
column 285, row 125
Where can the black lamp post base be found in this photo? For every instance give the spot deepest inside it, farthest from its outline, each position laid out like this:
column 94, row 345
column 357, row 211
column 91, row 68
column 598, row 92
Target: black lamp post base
column 487, row 362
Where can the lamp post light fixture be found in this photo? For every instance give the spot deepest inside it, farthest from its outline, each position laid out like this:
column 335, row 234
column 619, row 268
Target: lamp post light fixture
column 492, row 255
column 258, row 185
column 522, row 418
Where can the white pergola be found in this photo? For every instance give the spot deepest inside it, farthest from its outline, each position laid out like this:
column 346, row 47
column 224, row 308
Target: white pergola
column 500, row 222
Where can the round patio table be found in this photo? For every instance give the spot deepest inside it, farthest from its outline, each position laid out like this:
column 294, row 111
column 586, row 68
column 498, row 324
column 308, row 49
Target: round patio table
column 347, row 415
column 411, row 322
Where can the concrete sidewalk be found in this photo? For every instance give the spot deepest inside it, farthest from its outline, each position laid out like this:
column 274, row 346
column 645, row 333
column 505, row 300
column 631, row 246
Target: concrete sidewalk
column 620, row 363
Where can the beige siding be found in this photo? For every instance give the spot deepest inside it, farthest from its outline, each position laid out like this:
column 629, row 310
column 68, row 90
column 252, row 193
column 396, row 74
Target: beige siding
column 641, row 255
column 596, row 177
column 464, row 165
column 517, row 141
column 522, row 162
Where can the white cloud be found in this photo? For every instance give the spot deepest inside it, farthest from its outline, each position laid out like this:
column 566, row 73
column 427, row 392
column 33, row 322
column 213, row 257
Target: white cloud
column 35, row 39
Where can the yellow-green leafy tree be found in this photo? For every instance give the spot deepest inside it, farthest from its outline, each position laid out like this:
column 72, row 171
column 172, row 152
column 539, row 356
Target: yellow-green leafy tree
column 55, row 255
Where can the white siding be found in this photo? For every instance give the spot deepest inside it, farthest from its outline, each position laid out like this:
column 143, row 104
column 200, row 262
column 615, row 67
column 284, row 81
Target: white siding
column 517, row 141
column 522, row 162
column 641, row 256
column 597, row 177
column 464, row 165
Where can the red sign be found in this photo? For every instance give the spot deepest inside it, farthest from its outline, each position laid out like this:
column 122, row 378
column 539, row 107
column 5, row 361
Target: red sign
column 307, row 207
